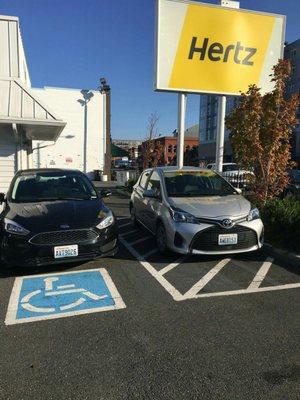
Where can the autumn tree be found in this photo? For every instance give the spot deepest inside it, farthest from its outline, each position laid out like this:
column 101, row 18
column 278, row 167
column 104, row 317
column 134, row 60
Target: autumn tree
column 261, row 129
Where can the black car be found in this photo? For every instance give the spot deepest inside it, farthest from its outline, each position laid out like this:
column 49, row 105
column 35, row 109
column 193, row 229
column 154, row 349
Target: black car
column 53, row 216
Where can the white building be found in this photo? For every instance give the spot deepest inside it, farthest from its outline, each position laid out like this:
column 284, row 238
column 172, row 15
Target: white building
column 23, row 117
column 83, row 142
column 31, row 120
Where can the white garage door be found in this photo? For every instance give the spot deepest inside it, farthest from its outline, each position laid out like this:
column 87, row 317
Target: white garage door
column 7, row 163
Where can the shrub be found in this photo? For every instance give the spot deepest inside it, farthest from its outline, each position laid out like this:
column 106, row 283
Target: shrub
column 282, row 223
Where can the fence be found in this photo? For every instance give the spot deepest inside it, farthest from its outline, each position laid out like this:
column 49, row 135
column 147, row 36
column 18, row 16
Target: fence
column 238, row 179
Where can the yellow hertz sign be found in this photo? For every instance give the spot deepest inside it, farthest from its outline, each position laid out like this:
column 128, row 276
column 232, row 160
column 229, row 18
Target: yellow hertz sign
column 211, row 49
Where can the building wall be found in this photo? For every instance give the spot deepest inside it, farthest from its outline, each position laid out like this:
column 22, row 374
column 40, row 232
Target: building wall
column 12, row 61
column 8, row 156
column 169, row 144
column 68, row 151
column 208, row 127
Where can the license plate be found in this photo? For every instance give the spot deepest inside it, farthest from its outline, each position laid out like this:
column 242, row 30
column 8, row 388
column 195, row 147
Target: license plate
column 228, row 238
column 66, row 251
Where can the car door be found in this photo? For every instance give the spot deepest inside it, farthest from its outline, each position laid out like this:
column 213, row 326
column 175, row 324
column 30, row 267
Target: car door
column 152, row 205
column 138, row 202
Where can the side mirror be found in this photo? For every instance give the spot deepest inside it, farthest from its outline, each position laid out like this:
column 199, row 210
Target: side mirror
column 105, row 193
column 149, row 193
column 2, row 198
column 238, row 190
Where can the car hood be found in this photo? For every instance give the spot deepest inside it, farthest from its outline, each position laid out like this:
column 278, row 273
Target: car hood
column 214, row 207
column 38, row 217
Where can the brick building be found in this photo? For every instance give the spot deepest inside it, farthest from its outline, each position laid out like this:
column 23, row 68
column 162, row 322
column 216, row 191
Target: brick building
column 169, row 144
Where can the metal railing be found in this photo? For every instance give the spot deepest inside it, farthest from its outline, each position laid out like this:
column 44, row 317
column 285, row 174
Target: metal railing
column 238, row 179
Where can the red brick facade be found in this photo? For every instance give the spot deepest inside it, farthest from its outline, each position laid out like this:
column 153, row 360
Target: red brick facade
column 169, row 144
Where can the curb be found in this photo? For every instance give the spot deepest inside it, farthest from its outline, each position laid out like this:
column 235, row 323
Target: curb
column 283, row 255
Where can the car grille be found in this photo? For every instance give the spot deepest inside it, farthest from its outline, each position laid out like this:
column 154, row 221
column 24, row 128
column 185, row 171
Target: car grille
column 207, row 240
column 56, row 238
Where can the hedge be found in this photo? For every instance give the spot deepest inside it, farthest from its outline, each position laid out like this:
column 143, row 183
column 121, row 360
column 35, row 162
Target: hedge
column 282, row 223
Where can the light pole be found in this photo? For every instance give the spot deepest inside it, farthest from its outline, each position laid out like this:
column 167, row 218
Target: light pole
column 87, row 95
column 104, row 89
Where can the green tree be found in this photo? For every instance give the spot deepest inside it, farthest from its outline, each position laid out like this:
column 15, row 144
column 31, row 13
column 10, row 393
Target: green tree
column 261, row 128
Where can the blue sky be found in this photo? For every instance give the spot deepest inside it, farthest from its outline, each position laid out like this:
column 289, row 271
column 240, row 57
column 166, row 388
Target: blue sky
column 72, row 43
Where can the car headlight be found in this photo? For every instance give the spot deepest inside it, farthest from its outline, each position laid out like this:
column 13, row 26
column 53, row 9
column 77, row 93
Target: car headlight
column 183, row 216
column 12, row 227
column 254, row 214
column 107, row 219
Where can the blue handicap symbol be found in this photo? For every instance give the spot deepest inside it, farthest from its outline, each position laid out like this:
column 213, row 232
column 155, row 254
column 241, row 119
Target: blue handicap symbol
column 72, row 293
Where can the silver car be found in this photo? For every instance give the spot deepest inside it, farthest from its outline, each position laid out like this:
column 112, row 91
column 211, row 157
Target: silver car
column 193, row 210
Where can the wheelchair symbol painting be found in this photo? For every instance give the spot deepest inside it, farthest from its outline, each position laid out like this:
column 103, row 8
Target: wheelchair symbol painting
column 60, row 295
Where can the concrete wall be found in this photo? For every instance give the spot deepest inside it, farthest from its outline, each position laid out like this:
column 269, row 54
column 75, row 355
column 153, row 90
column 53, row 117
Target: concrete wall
column 69, row 150
column 8, row 156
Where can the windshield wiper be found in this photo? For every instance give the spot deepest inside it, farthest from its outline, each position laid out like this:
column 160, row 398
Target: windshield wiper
column 62, row 198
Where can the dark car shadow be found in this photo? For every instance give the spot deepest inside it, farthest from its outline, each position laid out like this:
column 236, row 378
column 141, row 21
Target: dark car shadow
column 12, row 271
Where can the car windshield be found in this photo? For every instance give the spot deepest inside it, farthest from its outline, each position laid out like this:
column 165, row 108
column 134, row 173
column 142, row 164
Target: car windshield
column 196, row 183
column 52, row 186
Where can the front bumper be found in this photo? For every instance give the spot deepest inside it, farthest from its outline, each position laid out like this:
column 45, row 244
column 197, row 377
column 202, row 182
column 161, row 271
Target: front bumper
column 19, row 251
column 187, row 238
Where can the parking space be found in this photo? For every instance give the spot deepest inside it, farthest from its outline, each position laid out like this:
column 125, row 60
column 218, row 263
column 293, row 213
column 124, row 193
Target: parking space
column 195, row 277
column 65, row 294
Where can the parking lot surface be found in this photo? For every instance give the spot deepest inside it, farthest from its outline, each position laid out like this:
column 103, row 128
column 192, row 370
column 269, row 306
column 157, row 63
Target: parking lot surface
column 146, row 326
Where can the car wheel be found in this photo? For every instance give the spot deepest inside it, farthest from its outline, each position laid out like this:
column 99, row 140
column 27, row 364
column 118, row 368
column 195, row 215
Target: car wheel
column 161, row 239
column 133, row 217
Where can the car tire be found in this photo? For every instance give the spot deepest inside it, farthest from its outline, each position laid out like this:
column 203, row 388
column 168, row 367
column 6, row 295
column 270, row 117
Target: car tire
column 161, row 239
column 134, row 221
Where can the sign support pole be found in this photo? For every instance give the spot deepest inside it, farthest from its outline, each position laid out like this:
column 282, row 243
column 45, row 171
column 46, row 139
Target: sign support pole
column 220, row 133
column 181, row 123
column 222, row 108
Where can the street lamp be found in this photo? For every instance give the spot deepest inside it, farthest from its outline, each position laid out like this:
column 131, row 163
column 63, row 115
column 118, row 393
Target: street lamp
column 87, row 95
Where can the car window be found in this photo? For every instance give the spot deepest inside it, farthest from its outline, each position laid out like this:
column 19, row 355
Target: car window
column 196, row 183
column 154, row 183
column 144, row 179
column 43, row 186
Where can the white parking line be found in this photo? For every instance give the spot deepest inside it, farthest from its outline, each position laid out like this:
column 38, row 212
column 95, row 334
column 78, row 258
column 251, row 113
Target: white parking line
column 261, row 273
column 193, row 292
column 166, row 284
column 172, row 265
column 246, row 291
column 245, row 267
column 206, row 278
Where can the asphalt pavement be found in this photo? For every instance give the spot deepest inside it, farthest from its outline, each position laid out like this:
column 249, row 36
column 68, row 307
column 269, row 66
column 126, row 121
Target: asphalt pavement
column 184, row 328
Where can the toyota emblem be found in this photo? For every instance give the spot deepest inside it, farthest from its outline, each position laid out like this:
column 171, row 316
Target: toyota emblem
column 227, row 223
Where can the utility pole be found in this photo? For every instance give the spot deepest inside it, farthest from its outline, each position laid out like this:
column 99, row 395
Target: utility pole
column 105, row 89
column 222, row 108
column 181, row 126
